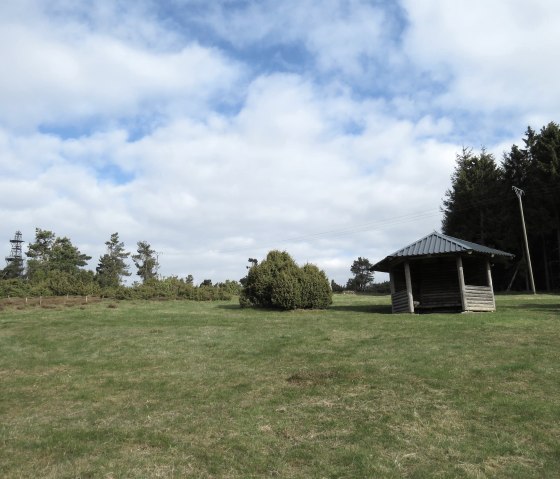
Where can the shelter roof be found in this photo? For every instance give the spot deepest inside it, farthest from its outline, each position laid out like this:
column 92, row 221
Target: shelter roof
column 437, row 244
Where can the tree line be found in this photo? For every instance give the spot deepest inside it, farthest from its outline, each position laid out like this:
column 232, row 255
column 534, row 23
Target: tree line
column 56, row 267
column 481, row 206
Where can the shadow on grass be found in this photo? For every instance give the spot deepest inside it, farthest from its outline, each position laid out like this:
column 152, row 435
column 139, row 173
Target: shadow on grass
column 237, row 307
column 363, row 308
column 550, row 308
column 355, row 308
column 229, row 306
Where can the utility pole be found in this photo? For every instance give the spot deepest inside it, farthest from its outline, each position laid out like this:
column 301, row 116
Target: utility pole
column 519, row 192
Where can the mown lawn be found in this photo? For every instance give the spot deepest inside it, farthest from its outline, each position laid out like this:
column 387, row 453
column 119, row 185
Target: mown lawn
column 184, row 389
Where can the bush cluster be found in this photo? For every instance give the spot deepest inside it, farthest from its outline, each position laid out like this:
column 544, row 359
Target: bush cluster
column 55, row 283
column 279, row 283
column 176, row 288
column 61, row 284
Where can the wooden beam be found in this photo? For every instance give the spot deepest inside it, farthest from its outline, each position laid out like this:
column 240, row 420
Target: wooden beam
column 409, row 287
column 392, row 280
column 489, row 280
column 461, row 282
column 392, row 283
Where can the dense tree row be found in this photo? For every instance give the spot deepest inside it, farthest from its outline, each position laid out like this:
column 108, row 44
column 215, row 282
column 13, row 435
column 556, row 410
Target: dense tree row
column 480, row 206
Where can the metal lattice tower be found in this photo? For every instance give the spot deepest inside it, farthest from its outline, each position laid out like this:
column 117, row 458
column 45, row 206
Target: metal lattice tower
column 14, row 262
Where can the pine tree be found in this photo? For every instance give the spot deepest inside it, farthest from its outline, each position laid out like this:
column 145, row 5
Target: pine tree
column 50, row 253
column 64, row 256
column 472, row 204
column 545, row 155
column 363, row 275
column 145, row 261
column 112, row 266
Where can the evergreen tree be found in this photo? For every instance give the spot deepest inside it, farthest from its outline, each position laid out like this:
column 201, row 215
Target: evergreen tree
column 49, row 253
column 518, row 169
column 13, row 270
column 112, row 265
column 66, row 257
column 472, row 204
column 363, row 275
column 480, row 206
column 39, row 253
column 545, row 198
column 545, row 152
column 145, row 261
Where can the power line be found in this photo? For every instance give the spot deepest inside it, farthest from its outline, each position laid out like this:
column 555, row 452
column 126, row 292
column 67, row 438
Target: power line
column 486, row 200
column 374, row 225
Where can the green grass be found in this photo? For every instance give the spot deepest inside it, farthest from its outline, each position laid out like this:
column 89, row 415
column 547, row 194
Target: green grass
column 184, row 389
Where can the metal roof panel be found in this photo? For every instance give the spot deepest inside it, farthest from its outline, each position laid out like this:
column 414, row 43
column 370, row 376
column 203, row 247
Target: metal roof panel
column 437, row 243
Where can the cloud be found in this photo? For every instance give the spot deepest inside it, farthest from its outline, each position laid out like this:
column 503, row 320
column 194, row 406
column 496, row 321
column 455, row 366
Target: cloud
column 59, row 76
column 217, row 131
column 340, row 36
column 282, row 173
column 495, row 55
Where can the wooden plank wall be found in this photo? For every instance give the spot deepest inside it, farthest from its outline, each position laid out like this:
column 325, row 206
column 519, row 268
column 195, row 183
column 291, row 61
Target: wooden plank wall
column 479, row 298
column 399, row 300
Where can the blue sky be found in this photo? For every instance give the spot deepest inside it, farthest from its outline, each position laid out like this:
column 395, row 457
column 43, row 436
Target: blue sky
column 219, row 130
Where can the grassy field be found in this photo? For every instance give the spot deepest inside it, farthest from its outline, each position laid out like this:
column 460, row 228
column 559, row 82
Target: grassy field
column 184, row 389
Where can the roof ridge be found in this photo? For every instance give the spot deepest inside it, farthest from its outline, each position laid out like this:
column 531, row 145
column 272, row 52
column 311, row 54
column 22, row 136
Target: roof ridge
column 438, row 244
column 464, row 243
column 456, row 241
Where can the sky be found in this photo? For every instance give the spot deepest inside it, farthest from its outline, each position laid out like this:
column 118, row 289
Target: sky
column 219, row 130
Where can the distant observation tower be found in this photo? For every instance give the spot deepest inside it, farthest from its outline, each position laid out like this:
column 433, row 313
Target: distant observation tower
column 14, row 262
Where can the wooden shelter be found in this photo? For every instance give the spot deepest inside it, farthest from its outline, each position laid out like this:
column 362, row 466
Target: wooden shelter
column 439, row 272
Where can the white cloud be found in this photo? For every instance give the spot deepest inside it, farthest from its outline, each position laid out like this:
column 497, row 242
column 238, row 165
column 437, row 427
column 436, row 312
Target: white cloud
column 340, row 35
column 219, row 190
column 497, row 55
column 311, row 162
column 56, row 79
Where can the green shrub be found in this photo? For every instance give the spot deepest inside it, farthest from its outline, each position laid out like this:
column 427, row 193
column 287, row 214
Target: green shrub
column 315, row 292
column 168, row 288
column 286, row 290
column 278, row 282
column 14, row 288
column 232, row 287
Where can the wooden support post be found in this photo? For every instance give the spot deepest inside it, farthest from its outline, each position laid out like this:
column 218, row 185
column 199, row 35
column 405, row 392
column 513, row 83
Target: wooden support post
column 461, row 282
column 409, row 287
column 392, row 284
column 489, row 281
